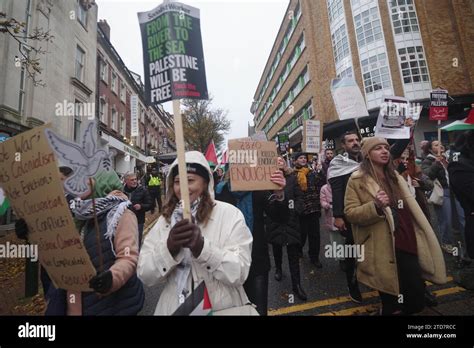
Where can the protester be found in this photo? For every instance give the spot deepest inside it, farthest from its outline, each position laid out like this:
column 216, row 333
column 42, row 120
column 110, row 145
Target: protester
column 461, row 175
column 287, row 234
column 140, row 198
column 255, row 205
column 328, row 156
column 117, row 290
column 339, row 172
column 215, row 247
column 400, row 247
column 335, row 238
column 309, row 183
column 435, row 166
column 153, row 184
column 425, row 151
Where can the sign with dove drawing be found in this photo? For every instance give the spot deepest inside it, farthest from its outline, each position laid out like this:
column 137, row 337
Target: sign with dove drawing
column 85, row 159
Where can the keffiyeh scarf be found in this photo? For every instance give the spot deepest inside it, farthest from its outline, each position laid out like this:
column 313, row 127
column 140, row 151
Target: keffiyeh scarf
column 113, row 206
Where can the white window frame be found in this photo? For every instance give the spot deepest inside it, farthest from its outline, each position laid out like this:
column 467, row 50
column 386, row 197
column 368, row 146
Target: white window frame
column 79, row 63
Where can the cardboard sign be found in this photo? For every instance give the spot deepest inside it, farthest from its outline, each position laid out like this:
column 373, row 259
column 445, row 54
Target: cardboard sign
column 348, row 99
column 251, row 165
column 311, row 136
column 29, row 176
column 173, row 57
column 393, row 119
column 439, row 105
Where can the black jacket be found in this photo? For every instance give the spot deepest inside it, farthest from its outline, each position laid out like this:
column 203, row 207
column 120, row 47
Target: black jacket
column 434, row 170
column 261, row 205
column 139, row 195
column 287, row 232
column 461, row 177
column 308, row 201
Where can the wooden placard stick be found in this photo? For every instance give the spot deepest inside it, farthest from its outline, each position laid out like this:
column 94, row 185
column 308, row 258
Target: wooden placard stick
column 183, row 175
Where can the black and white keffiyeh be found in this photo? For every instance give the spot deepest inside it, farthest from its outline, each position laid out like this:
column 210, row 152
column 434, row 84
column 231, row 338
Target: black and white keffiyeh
column 113, row 206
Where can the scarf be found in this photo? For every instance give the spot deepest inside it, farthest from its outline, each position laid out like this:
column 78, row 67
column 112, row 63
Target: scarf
column 112, row 205
column 184, row 268
column 342, row 165
column 301, row 174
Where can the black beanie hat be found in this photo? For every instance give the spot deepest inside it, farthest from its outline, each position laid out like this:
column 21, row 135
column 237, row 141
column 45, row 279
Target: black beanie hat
column 299, row 154
column 192, row 168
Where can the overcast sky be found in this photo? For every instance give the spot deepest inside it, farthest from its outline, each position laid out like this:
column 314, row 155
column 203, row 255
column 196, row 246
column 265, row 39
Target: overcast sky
column 237, row 39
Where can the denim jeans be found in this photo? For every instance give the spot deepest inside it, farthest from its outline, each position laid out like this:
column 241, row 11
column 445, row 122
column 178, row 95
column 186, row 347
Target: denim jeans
column 444, row 214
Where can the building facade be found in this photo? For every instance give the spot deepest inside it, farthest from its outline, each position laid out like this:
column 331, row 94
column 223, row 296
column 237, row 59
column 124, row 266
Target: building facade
column 68, row 67
column 390, row 47
column 116, row 85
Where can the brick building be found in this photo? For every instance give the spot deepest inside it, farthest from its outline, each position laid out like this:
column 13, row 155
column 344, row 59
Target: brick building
column 390, row 47
column 116, row 85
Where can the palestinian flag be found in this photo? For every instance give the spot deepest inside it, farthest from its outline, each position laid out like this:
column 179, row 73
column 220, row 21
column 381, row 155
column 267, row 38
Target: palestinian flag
column 197, row 303
column 4, row 203
column 211, row 155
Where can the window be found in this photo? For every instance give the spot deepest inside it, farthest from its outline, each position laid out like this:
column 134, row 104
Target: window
column 123, row 93
column 340, row 44
column 114, row 82
column 80, row 57
column 78, row 106
column 413, row 64
column 368, row 27
column 81, row 13
column 375, row 73
column 103, row 111
column 122, row 124
column 114, row 119
column 404, row 18
column 104, row 71
column 335, row 9
column 345, row 73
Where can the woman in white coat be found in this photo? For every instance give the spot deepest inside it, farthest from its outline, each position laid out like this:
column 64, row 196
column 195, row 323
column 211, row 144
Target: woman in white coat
column 216, row 249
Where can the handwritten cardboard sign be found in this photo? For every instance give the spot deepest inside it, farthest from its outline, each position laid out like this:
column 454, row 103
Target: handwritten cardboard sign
column 251, row 165
column 30, row 178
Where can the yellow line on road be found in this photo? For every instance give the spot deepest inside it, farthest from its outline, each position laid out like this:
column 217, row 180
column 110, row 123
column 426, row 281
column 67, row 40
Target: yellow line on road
column 329, row 302
column 373, row 307
column 352, row 311
column 316, row 304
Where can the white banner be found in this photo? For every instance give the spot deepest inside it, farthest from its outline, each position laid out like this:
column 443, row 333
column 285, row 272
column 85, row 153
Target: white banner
column 312, row 136
column 348, row 99
column 394, row 119
column 134, row 115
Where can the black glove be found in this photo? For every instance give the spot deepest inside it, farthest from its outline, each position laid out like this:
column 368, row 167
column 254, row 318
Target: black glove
column 21, row 229
column 102, row 282
column 180, row 235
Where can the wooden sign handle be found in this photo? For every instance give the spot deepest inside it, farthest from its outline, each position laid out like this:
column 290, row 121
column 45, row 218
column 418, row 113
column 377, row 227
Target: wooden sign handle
column 183, row 175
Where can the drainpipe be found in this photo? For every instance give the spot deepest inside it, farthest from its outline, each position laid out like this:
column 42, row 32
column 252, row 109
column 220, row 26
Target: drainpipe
column 21, row 94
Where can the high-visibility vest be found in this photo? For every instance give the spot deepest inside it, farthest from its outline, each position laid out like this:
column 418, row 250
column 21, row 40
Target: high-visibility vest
column 154, row 181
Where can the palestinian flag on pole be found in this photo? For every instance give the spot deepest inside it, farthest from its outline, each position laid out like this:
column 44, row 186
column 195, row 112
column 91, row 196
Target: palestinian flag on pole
column 211, row 155
column 197, row 303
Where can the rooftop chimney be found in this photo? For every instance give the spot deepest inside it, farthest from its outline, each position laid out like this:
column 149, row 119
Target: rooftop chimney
column 104, row 26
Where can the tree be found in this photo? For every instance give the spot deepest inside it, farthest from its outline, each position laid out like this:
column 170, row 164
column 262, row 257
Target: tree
column 17, row 31
column 201, row 124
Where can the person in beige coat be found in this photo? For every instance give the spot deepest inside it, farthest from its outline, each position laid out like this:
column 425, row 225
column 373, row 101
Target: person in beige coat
column 400, row 249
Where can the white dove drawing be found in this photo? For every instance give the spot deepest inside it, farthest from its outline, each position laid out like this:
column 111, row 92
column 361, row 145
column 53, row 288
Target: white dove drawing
column 84, row 160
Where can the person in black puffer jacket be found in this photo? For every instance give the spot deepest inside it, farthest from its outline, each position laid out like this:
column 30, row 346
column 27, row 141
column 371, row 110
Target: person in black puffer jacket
column 141, row 201
column 287, row 234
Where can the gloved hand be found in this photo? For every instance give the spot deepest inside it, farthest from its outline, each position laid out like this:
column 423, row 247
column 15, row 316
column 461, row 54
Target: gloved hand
column 196, row 243
column 102, row 282
column 21, row 229
column 185, row 235
column 401, row 168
